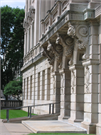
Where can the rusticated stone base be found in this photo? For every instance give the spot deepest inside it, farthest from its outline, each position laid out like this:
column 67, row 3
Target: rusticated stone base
column 90, row 127
column 98, row 129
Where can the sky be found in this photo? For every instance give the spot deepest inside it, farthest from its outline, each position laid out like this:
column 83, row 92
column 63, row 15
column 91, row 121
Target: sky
column 13, row 3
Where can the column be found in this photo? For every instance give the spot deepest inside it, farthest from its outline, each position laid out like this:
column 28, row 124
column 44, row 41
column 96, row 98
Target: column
column 24, row 44
column 29, row 43
column 38, row 86
column 56, row 91
column 34, row 85
column 47, row 84
column 65, row 94
column 27, row 40
column 98, row 128
column 42, row 27
column 32, row 37
column 91, row 82
column 31, row 87
column 77, row 93
column 59, row 7
column 43, row 85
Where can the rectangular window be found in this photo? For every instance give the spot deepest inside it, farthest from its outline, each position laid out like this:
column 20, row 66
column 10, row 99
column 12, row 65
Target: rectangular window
column 43, row 84
column 48, row 84
column 30, row 87
column 24, row 90
column 38, row 86
column 27, row 86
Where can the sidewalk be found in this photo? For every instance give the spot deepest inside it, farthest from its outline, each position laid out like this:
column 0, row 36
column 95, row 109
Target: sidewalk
column 3, row 129
column 13, row 129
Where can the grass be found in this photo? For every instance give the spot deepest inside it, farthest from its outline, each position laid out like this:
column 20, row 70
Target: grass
column 58, row 134
column 14, row 114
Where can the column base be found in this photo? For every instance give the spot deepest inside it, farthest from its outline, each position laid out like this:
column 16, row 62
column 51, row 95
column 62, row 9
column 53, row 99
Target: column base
column 74, row 120
column 90, row 127
column 63, row 117
column 98, row 129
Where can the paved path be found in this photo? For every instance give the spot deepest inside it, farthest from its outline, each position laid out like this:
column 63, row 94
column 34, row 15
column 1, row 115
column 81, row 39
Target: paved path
column 13, row 129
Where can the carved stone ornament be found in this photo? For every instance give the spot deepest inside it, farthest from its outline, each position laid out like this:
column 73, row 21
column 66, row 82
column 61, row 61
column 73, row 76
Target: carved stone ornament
column 54, row 87
column 32, row 12
column 72, row 81
column 67, row 44
column 50, row 58
column 82, row 37
column 71, row 31
column 29, row 18
column 71, row 61
column 62, row 83
column 25, row 23
column 87, row 77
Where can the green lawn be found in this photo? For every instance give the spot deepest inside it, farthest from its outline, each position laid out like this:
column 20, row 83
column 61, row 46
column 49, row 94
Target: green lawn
column 13, row 114
column 59, row 134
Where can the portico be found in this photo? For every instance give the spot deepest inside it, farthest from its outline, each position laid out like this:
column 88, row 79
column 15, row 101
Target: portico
column 62, row 58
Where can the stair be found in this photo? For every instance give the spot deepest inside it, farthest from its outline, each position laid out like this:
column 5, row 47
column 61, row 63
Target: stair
column 34, row 117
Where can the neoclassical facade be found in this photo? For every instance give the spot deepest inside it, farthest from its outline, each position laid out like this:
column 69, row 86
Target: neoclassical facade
column 62, row 59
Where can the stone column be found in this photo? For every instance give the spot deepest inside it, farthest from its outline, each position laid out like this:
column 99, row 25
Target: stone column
column 27, row 40
column 77, row 93
column 42, row 27
column 31, row 36
column 65, row 94
column 91, row 82
column 56, row 90
column 98, row 128
column 41, row 85
column 24, row 44
column 59, row 7
column 36, row 87
column 47, row 84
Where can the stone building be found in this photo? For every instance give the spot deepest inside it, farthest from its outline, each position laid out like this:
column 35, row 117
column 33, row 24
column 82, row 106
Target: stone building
column 62, row 59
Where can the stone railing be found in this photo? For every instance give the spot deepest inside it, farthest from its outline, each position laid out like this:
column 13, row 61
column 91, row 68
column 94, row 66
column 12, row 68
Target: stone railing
column 60, row 8
column 98, row 11
column 10, row 103
column 32, row 53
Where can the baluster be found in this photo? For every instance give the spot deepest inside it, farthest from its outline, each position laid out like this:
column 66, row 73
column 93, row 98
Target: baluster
column 49, row 108
column 7, row 115
column 28, row 111
column 52, row 108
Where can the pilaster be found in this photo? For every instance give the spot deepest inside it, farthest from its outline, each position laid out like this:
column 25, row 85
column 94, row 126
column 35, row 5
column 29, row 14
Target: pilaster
column 90, row 95
column 91, row 81
column 56, row 90
column 77, row 93
column 64, row 94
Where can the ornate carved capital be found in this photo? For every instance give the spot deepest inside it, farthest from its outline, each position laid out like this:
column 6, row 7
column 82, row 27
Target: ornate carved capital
column 25, row 23
column 32, row 12
column 67, row 44
column 82, row 37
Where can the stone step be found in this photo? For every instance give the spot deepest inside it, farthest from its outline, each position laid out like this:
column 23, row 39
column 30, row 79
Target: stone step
column 34, row 117
column 52, row 126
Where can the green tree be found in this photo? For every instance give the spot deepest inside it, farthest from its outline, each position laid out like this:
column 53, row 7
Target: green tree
column 13, row 88
column 12, row 34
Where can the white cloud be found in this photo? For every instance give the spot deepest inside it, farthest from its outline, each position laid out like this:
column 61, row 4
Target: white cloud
column 13, row 3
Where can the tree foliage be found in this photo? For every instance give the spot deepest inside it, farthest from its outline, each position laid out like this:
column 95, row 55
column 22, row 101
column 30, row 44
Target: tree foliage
column 12, row 34
column 13, row 88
